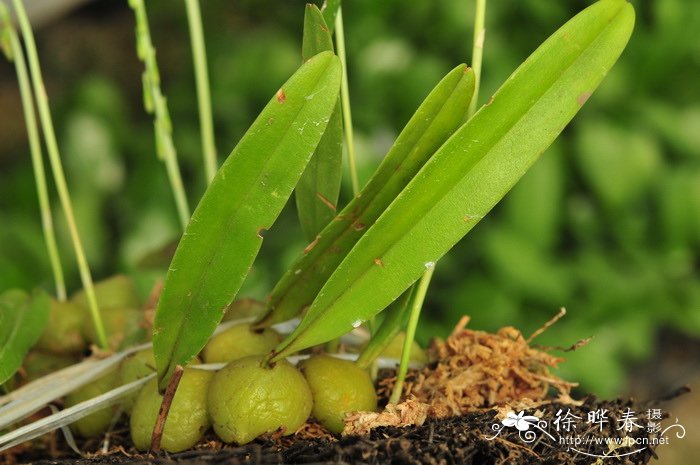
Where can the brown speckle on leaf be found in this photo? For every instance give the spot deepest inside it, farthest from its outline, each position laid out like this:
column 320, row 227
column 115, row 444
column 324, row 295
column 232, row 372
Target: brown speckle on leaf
column 357, row 226
column 312, row 245
column 583, row 98
column 281, row 96
column 261, row 232
column 378, row 262
column 325, row 201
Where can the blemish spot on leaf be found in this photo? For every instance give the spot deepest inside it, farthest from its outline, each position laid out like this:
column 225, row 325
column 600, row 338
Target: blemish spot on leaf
column 489, row 102
column 281, row 96
column 583, row 98
column 312, row 245
column 270, row 121
column 358, row 226
column 378, row 262
column 326, row 202
column 261, row 232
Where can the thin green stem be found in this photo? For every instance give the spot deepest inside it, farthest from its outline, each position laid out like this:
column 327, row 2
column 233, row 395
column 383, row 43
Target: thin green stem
column 201, row 74
column 345, row 102
column 57, row 168
column 156, row 104
column 416, row 307
column 478, row 51
column 25, row 89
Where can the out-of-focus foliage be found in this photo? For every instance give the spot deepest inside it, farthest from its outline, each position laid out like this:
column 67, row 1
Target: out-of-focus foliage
column 607, row 223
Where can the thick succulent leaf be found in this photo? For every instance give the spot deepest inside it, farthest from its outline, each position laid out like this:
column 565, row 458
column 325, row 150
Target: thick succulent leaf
column 317, row 192
column 470, row 173
column 330, row 11
column 244, row 199
column 442, row 112
column 395, row 317
column 22, row 320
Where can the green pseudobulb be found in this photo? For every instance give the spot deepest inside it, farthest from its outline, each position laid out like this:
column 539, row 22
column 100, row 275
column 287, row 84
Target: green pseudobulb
column 63, row 333
column 138, row 366
column 187, row 420
column 338, row 387
column 247, row 399
column 98, row 422
column 239, row 341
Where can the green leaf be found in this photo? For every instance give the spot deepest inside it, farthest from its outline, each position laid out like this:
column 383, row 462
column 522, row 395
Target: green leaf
column 442, row 112
column 330, row 11
column 470, row 173
column 244, row 199
column 317, row 191
column 22, row 320
column 395, row 317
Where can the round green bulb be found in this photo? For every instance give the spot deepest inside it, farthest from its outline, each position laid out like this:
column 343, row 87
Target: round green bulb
column 63, row 333
column 138, row 366
column 338, row 387
column 96, row 423
column 117, row 291
column 187, row 419
column 395, row 349
column 239, row 341
column 247, row 399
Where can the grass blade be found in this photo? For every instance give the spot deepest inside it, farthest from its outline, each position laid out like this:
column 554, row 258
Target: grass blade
column 442, row 112
column 244, row 199
column 14, row 53
column 317, row 192
column 470, row 173
column 199, row 56
column 22, row 320
column 42, row 102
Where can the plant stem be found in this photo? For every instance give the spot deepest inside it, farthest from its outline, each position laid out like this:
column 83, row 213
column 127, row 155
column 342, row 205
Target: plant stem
column 199, row 56
column 416, row 307
column 57, row 168
column 345, row 102
column 478, row 51
column 155, row 104
column 477, row 55
column 17, row 55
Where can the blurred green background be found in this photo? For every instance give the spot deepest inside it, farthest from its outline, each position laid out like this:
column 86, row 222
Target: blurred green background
column 606, row 224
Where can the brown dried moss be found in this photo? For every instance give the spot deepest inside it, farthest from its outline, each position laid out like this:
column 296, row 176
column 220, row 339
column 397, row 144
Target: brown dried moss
column 473, row 370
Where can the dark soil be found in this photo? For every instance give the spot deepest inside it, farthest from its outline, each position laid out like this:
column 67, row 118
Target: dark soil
column 457, row 440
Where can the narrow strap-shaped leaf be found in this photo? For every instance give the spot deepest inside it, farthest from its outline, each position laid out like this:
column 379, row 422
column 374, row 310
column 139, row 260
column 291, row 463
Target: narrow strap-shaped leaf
column 22, row 320
column 244, row 199
column 442, row 112
column 317, row 192
column 470, row 173
column 330, row 11
column 395, row 317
